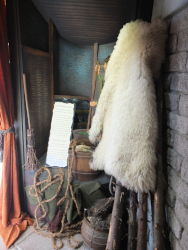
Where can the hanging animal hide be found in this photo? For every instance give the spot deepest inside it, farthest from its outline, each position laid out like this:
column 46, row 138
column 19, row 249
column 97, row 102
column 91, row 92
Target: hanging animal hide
column 126, row 115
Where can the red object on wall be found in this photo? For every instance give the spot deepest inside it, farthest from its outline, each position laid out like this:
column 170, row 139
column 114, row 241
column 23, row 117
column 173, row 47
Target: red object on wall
column 12, row 221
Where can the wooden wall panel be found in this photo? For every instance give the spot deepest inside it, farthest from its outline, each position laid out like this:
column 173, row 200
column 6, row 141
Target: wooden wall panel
column 86, row 22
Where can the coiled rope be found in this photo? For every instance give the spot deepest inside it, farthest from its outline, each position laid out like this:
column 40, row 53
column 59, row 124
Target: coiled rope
column 66, row 229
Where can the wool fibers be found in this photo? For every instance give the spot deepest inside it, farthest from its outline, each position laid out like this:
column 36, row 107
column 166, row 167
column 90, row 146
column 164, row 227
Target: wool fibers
column 126, row 114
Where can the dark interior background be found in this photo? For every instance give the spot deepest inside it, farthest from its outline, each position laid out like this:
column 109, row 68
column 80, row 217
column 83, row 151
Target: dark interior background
column 78, row 25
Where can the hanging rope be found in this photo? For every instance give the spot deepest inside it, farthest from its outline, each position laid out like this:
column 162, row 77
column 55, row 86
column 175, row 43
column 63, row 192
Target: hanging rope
column 66, row 229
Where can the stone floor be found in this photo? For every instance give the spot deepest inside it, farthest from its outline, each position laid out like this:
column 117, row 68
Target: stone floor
column 29, row 240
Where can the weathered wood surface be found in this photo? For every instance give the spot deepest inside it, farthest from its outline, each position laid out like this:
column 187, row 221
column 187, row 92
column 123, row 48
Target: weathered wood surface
column 158, row 229
column 94, row 78
column 26, row 101
column 132, row 223
column 142, row 222
column 114, row 236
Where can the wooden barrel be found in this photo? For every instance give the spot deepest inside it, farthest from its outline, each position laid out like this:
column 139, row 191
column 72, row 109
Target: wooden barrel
column 77, row 135
column 81, row 169
column 94, row 237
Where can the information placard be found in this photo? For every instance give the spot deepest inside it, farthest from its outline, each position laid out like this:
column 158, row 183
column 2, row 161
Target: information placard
column 60, row 134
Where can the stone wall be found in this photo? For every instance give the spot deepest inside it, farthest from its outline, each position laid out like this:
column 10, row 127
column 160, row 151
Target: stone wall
column 176, row 105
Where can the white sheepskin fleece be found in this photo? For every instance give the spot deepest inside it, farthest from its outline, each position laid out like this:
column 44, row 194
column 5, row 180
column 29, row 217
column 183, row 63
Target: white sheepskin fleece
column 126, row 114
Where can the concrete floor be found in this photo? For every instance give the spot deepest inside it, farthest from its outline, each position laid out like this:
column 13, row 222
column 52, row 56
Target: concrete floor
column 29, row 240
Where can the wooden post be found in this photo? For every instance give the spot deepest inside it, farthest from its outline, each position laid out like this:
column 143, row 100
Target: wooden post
column 132, row 226
column 114, row 236
column 51, row 51
column 142, row 222
column 158, row 196
column 94, row 78
column 158, row 211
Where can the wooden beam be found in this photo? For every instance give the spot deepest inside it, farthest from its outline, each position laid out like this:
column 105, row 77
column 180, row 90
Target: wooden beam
column 158, row 230
column 95, row 52
column 132, row 226
column 142, row 222
column 114, row 236
column 51, row 51
column 94, row 78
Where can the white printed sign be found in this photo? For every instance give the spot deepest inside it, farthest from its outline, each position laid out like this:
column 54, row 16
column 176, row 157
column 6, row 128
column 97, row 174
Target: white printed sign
column 60, row 134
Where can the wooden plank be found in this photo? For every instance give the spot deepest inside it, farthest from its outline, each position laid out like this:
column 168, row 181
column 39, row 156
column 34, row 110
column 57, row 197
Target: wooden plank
column 51, row 51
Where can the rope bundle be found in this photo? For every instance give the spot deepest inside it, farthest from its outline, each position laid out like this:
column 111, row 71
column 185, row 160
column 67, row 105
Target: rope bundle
column 66, row 229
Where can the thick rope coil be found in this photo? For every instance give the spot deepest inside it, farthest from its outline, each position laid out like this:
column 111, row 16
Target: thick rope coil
column 66, row 229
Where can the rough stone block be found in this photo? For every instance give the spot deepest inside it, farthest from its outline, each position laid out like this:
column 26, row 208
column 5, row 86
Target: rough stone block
column 179, row 82
column 180, row 144
column 167, row 81
column 170, row 137
column 172, row 100
column 183, row 105
column 181, row 212
column 174, row 159
column 174, row 223
column 171, row 44
column 176, row 62
column 178, row 185
column 184, row 170
column 172, row 179
column 179, row 22
column 183, row 41
column 184, row 240
column 171, row 197
column 175, row 244
column 178, row 122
